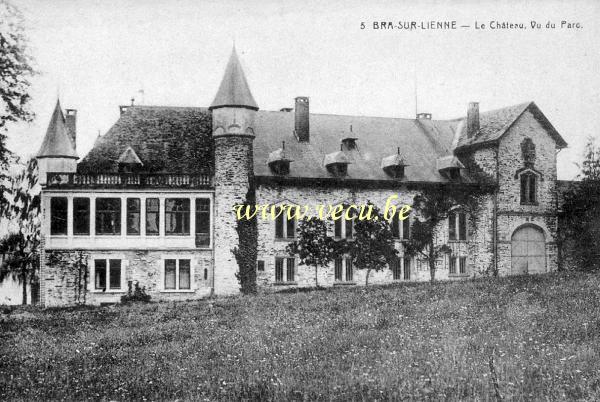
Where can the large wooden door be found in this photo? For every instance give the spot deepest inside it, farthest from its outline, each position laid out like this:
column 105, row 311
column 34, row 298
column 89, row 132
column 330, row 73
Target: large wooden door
column 528, row 251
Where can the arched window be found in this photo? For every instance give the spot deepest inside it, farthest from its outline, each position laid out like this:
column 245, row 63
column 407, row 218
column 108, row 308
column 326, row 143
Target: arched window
column 528, row 188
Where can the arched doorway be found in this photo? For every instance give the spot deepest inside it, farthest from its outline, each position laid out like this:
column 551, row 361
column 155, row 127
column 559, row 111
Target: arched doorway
column 528, row 250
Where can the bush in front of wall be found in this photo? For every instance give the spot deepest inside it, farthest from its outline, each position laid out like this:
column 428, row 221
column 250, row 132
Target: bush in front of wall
column 135, row 294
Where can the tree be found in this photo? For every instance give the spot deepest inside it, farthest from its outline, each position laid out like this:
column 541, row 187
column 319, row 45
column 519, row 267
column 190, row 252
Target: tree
column 15, row 71
column 21, row 247
column 432, row 206
column 580, row 214
column 373, row 246
column 314, row 247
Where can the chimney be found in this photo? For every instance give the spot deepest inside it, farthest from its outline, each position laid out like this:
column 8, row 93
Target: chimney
column 472, row 119
column 71, row 123
column 301, row 120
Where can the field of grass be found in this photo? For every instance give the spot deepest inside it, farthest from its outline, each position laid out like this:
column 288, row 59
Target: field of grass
column 414, row 341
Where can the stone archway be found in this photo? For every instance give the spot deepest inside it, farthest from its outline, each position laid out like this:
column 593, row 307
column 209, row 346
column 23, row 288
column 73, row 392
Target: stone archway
column 528, row 245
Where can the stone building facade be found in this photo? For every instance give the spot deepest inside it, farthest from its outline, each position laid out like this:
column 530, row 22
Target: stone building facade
column 153, row 201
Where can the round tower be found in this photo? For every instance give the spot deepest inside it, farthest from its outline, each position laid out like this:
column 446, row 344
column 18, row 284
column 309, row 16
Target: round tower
column 233, row 114
column 57, row 152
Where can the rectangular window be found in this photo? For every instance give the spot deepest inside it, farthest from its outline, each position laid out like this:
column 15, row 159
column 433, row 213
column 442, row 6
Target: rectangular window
column 107, row 272
column 58, row 215
column 133, row 216
column 457, row 226
column 349, row 270
column 178, row 274
column 100, row 274
column 260, row 265
column 108, row 216
column 452, row 226
column 462, row 265
column 291, row 228
column 81, row 216
column 184, row 274
column 284, row 227
column 177, row 216
column 452, row 268
column 337, row 228
column 202, row 222
column 338, row 269
column 349, row 228
column 114, row 275
column 462, row 226
column 532, row 189
column 170, row 273
column 152, row 216
column 406, row 229
column 279, row 226
column 396, row 226
column 396, row 270
column 528, row 189
column 278, row 269
column 406, row 268
column 290, row 269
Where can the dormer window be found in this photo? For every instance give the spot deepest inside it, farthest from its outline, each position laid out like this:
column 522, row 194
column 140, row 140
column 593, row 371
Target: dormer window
column 337, row 163
column 449, row 167
column 394, row 165
column 278, row 161
column 349, row 143
column 129, row 162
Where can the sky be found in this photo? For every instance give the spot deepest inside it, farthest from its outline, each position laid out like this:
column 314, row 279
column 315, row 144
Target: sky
column 97, row 55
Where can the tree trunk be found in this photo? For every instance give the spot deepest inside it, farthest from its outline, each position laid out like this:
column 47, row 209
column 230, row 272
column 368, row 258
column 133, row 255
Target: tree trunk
column 367, row 280
column 431, row 261
column 24, row 281
column 316, row 276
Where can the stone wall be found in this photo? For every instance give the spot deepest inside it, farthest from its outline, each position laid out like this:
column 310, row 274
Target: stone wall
column 478, row 248
column 63, row 284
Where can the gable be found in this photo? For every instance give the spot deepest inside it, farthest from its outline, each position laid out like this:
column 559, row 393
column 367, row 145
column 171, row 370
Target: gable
column 495, row 124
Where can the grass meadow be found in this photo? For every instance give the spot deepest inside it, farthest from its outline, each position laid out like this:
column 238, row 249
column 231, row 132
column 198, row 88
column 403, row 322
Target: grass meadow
column 518, row 338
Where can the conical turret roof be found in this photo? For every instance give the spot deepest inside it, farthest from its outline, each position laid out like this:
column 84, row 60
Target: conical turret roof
column 57, row 142
column 234, row 90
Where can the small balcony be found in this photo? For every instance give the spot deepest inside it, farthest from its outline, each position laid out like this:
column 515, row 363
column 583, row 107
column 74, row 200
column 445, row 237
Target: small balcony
column 128, row 180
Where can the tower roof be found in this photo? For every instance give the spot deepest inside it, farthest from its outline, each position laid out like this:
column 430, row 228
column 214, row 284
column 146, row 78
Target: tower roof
column 57, row 142
column 234, row 90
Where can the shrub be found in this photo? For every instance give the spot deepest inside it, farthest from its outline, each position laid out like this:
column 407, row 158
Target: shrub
column 138, row 294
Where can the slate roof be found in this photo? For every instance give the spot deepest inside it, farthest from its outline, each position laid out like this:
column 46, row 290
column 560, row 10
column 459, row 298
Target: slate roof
column 234, row 89
column 166, row 139
column 495, row 123
column 178, row 140
column 57, row 143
